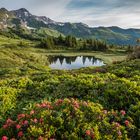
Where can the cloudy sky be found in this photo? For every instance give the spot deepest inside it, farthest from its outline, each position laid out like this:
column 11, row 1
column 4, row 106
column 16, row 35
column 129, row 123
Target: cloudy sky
column 123, row 13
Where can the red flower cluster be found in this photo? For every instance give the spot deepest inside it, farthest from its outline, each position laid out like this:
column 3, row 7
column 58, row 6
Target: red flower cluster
column 76, row 104
column 35, row 120
column 123, row 112
column 32, row 112
column 20, row 134
column 40, row 114
column 18, row 126
column 4, row 138
column 59, row 102
column 25, row 122
column 126, row 122
column 45, row 105
column 9, row 123
column 20, row 116
column 90, row 133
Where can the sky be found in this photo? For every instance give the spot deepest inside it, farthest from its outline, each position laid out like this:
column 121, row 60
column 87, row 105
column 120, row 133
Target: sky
column 122, row 13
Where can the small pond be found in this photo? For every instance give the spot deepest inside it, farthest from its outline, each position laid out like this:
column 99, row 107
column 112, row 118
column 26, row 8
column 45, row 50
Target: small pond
column 73, row 62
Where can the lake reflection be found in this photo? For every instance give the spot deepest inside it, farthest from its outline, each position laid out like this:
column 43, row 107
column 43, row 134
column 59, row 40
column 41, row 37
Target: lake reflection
column 74, row 62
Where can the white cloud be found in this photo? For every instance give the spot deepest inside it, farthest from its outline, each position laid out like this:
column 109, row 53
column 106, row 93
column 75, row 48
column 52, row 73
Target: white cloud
column 123, row 13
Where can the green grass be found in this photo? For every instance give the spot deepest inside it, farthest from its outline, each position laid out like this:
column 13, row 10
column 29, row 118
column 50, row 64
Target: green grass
column 19, row 56
column 10, row 41
column 47, row 31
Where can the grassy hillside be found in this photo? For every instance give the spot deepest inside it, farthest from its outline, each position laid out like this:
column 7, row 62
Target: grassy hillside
column 111, row 36
column 13, row 42
column 100, row 103
column 49, row 32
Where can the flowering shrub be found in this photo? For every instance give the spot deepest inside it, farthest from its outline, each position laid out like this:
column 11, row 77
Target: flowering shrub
column 68, row 119
column 113, row 86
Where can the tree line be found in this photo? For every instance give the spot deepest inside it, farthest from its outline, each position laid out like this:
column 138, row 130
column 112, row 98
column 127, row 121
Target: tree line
column 71, row 42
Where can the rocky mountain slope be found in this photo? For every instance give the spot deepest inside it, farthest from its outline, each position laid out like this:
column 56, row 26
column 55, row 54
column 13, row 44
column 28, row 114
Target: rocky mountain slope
column 25, row 19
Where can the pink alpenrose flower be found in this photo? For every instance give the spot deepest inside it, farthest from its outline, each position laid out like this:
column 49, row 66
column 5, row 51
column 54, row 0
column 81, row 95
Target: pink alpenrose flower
column 20, row 134
column 4, row 138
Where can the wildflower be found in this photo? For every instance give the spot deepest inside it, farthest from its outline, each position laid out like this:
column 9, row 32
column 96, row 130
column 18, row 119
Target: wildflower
column 32, row 112
column 123, row 112
column 4, row 138
column 5, row 126
column 21, row 116
column 119, row 133
column 58, row 102
column 20, row 134
column 35, row 120
column 43, row 105
column 49, row 106
column 9, row 121
column 76, row 105
column 126, row 122
column 88, row 132
column 25, row 122
column 18, row 126
column 40, row 138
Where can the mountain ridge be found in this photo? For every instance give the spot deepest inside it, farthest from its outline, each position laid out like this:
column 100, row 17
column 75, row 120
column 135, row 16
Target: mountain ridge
column 113, row 34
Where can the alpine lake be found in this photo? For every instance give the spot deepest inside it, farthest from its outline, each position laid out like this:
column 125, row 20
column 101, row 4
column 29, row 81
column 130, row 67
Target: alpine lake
column 73, row 62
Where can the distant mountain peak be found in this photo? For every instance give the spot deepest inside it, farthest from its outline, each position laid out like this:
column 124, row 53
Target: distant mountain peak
column 3, row 9
column 23, row 10
column 83, row 24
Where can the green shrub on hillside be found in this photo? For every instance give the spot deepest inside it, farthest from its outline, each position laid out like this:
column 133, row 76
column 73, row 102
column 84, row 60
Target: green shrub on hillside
column 114, row 87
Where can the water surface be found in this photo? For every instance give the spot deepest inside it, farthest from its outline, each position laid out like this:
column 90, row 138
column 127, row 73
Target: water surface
column 73, row 62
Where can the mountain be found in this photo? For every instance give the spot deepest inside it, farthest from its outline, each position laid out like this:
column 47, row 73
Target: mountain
column 76, row 29
column 32, row 20
column 31, row 26
column 44, row 25
column 5, row 17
